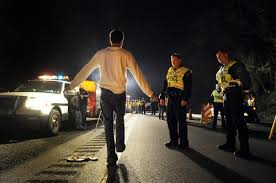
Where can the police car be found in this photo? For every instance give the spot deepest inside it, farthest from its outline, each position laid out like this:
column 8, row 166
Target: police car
column 37, row 104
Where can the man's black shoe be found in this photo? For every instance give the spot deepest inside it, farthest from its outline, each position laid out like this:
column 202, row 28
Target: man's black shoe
column 121, row 148
column 170, row 144
column 227, row 147
column 183, row 146
column 242, row 154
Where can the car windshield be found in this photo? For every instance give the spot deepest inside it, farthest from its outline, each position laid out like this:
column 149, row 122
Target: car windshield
column 40, row 86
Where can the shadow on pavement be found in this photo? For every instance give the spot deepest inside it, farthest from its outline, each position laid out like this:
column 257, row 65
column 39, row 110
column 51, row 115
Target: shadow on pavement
column 262, row 161
column 20, row 135
column 114, row 174
column 252, row 133
column 219, row 171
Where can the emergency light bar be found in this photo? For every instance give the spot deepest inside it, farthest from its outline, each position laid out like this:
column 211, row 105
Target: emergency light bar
column 53, row 77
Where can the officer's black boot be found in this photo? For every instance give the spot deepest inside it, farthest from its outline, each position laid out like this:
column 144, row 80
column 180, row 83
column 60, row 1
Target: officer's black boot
column 244, row 144
column 243, row 152
column 229, row 145
column 171, row 144
column 183, row 144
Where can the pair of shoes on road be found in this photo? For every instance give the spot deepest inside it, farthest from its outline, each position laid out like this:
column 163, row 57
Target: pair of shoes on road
column 80, row 158
column 232, row 148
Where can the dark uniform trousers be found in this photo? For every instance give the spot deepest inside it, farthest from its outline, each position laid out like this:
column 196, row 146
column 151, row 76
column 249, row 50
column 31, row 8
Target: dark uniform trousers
column 113, row 102
column 233, row 109
column 176, row 119
column 218, row 107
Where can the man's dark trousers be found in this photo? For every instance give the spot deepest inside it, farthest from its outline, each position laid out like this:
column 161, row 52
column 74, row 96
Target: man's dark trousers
column 233, row 109
column 218, row 107
column 113, row 102
column 176, row 119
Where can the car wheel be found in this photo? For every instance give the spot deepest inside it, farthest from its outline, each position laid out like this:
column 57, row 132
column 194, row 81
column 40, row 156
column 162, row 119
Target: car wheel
column 54, row 122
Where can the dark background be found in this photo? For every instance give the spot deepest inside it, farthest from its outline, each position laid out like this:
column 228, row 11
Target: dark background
column 59, row 37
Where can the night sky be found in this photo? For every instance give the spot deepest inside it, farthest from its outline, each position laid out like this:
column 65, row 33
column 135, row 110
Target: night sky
column 38, row 37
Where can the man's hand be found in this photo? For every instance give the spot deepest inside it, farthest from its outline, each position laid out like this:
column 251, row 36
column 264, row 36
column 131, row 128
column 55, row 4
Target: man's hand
column 184, row 103
column 162, row 102
column 154, row 98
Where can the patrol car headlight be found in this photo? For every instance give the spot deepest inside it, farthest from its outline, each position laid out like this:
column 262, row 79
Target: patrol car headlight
column 35, row 103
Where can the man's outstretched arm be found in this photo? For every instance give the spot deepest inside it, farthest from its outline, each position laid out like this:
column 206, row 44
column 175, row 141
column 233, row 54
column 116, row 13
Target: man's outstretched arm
column 139, row 77
column 85, row 72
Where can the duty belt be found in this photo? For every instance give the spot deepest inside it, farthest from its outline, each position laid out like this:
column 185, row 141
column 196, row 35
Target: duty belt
column 174, row 94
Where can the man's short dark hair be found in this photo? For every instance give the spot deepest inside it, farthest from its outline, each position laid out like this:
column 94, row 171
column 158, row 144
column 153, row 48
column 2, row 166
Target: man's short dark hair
column 116, row 36
column 223, row 50
column 178, row 55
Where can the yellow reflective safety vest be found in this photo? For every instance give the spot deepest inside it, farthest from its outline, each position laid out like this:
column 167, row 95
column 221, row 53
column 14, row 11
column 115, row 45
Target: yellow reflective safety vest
column 222, row 76
column 218, row 97
column 250, row 102
column 175, row 77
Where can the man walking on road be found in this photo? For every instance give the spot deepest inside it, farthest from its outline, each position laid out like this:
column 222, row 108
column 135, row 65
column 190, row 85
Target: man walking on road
column 113, row 63
column 234, row 80
column 177, row 87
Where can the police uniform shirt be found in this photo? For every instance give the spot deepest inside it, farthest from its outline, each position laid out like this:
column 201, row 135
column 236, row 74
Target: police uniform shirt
column 184, row 93
column 238, row 71
column 216, row 97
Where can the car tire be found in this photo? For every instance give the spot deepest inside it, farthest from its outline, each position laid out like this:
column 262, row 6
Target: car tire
column 54, row 122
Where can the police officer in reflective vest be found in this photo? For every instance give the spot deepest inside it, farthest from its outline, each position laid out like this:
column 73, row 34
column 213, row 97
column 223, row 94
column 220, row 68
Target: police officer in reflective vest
column 217, row 102
column 177, row 87
column 234, row 80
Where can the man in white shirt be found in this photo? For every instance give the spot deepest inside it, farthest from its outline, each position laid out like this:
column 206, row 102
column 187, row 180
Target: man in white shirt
column 113, row 63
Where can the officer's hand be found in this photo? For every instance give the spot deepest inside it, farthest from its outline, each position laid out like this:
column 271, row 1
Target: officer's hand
column 154, row 98
column 184, row 103
column 162, row 102
column 235, row 82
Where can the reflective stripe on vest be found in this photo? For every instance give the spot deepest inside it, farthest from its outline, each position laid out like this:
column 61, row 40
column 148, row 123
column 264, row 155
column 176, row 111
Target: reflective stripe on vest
column 218, row 97
column 175, row 77
column 222, row 76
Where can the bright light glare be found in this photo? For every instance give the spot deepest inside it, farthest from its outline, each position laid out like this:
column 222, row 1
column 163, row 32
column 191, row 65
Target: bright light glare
column 60, row 77
column 53, row 77
column 35, row 103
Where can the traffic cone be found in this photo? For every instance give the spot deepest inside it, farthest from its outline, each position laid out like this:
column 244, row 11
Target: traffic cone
column 206, row 114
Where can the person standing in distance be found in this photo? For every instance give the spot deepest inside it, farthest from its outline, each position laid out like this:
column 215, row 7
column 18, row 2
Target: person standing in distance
column 113, row 63
column 177, row 87
column 217, row 102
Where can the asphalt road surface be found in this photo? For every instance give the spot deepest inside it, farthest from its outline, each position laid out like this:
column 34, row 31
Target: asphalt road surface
column 145, row 159
column 24, row 146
